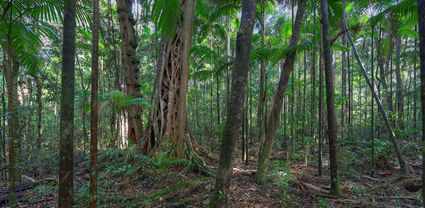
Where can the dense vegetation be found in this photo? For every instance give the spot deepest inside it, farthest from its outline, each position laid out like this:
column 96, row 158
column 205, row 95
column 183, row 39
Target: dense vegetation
column 212, row 103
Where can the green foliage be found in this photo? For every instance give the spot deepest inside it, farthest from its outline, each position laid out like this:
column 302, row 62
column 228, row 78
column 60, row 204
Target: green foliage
column 323, row 203
column 166, row 14
column 82, row 196
column 281, row 174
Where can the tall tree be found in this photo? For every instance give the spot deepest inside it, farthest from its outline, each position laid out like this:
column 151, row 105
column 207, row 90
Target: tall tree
column 94, row 105
column 130, row 63
column 168, row 116
column 421, row 13
column 330, row 105
column 66, row 148
column 233, row 123
column 273, row 118
column 399, row 79
column 262, row 98
column 12, row 111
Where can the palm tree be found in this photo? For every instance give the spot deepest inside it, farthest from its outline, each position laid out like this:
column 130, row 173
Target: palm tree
column 66, row 148
column 330, row 90
column 94, row 106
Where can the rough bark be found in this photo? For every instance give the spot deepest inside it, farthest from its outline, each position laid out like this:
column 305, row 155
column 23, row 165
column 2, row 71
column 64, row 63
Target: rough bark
column 130, row 63
column 66, row 146
column 168, row 117
column 13, row 120
column 94, row 105
column 273, row 118
column 233, row 123
column 330, row 105
column 421, row 13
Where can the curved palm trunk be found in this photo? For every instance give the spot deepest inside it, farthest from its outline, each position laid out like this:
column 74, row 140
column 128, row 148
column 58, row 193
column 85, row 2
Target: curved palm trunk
column 276, row 108
column 233, row 124
column 66, row 148
column 130, row 63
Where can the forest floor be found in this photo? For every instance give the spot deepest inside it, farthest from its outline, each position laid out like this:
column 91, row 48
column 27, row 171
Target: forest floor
column 131, row 180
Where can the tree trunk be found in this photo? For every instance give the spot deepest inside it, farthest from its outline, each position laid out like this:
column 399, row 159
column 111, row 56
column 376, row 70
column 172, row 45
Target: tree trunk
column 330, row 90
column 403, row 165
column 262, row 98
column 94, row 105
column 273, row 119
column 130, row 63
column 66, row 148
column 13, row 119
column 168, row 119
column 400, row 84
column 421, row 13
column 234, row 114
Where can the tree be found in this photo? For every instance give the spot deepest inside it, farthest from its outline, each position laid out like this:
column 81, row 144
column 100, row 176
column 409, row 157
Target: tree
column 421, row 23
column 66, row 147
column 276, row 108
column 94, row 106
column 168, row 116
column 330, row 106
column 233, row 123
column 130, row 63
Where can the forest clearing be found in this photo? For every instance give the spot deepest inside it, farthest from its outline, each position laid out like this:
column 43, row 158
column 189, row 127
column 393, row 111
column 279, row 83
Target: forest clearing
column 212, row 103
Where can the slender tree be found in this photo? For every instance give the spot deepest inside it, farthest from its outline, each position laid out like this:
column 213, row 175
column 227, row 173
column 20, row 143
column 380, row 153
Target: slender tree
column 273, row 119
column 94, row 106
column 233, row 123
column 13, row 113
column 330, row 105
column 66, row 148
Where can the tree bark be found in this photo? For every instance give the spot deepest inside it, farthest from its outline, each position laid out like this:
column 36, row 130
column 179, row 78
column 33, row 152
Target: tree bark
column 66, row 148
column 233, row 123
column 94, row 105
column 273, row 118
column 130, row 63
column 330, row 105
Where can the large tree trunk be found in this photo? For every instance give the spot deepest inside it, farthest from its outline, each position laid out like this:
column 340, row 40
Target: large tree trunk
column 168, row 119
column 130, row 63
column 94, row 106
column 421, row 13
column 66, row 147
column 233, row 123
column 330, row 105
column 276, row 108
